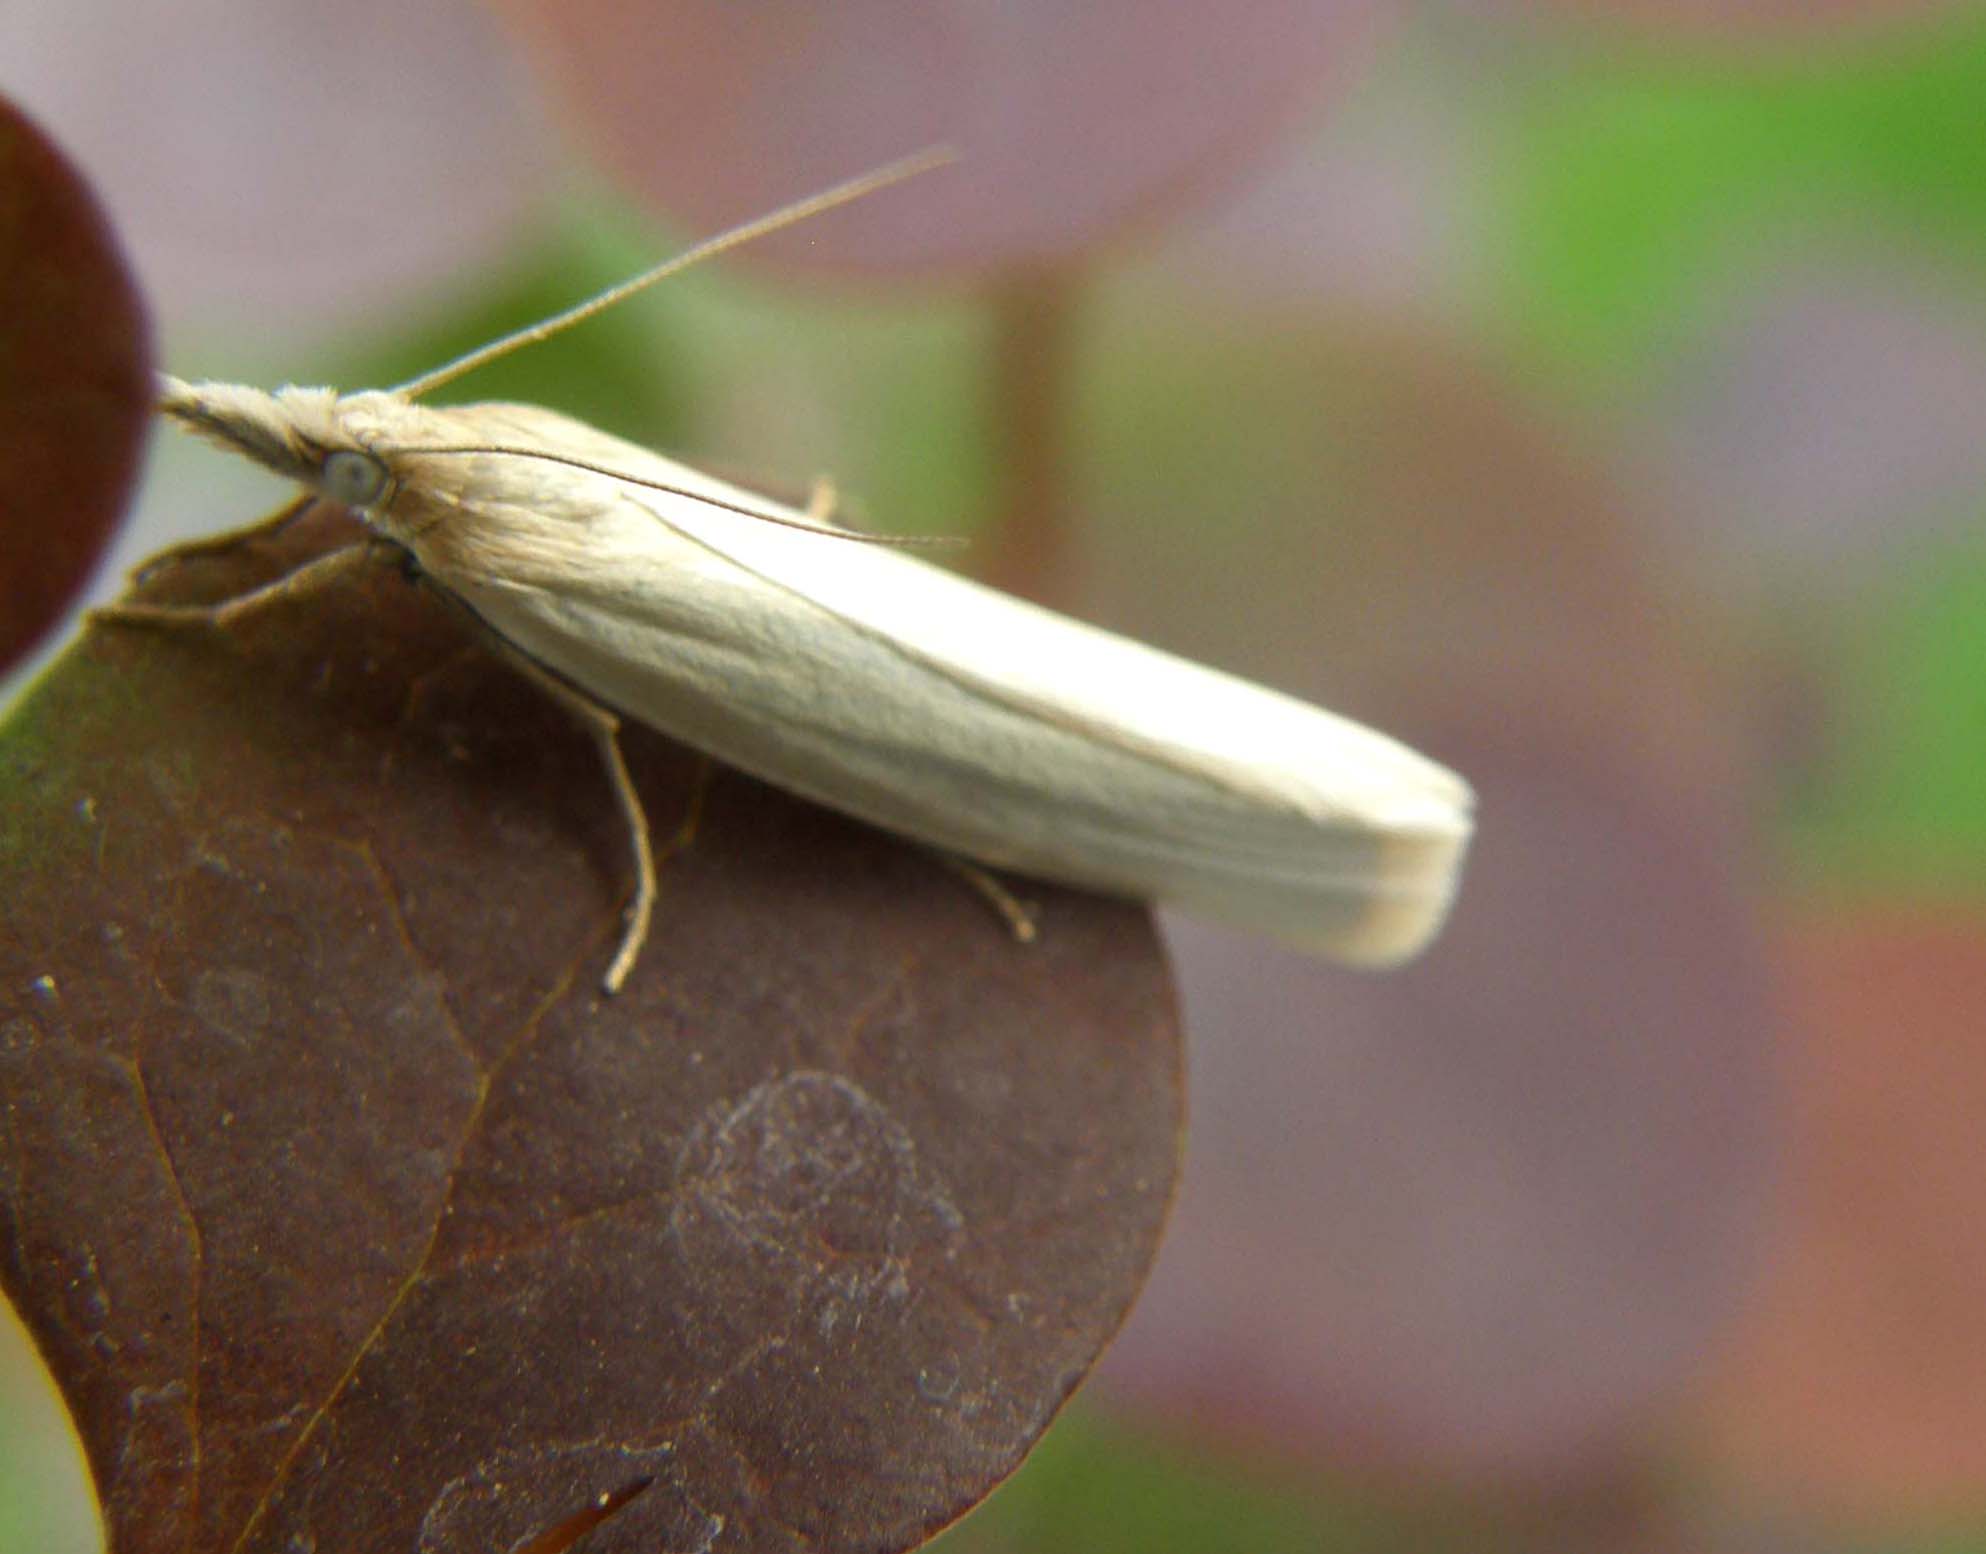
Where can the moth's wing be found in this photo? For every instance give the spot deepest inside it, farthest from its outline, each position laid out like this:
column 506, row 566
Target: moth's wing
column 876, row 683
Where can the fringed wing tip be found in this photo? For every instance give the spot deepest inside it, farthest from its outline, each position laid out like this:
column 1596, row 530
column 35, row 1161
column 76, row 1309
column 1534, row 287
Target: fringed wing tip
column 1419, row 879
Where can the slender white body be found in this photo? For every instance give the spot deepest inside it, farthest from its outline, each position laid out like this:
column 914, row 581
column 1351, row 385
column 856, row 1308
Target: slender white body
column 875, row 683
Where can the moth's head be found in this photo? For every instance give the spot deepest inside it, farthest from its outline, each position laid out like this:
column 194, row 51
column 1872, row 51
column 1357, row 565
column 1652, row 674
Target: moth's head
column 300, row 433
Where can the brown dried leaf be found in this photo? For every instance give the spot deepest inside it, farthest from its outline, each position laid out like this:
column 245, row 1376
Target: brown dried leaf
column 75, row 383
column 351, row 1217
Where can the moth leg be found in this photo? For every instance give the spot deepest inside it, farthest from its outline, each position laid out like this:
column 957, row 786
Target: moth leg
column 312, row 577
column 605, row 726
column 1018, row 915
column 214, row 544
column 823, row 499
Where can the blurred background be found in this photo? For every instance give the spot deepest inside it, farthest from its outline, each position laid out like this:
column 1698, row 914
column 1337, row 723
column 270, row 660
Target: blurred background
column 1591, row 392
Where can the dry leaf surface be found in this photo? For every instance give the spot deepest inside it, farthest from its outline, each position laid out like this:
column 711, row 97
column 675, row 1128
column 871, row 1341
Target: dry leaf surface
column 351, row 1217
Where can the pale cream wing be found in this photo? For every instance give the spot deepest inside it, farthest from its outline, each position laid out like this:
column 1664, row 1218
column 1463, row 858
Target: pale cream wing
column 891, row 689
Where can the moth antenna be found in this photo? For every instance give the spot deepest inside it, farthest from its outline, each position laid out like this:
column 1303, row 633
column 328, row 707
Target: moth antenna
column 782, row 520
column 785, row 216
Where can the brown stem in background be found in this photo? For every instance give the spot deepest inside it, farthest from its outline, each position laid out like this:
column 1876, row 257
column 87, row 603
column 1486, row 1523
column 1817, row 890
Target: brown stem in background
column 1033, row 320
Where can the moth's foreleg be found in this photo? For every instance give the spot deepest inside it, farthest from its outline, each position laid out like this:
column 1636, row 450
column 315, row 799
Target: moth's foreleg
column 1019, row 916
column 607, row 737
column 216, row 544
column 312, row 577
column 605, row 726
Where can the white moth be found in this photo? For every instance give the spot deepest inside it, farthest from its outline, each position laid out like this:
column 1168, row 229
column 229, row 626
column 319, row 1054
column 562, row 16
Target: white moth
column 840, row 668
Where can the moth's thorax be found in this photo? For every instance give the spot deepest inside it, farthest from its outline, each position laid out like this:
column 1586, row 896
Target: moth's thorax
column 486, row 491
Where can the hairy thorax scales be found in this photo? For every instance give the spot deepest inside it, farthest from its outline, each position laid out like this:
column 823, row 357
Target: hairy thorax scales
column 490, row 492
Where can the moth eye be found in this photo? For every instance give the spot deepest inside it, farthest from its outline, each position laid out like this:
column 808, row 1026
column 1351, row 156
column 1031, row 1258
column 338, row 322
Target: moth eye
column 355, row 479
